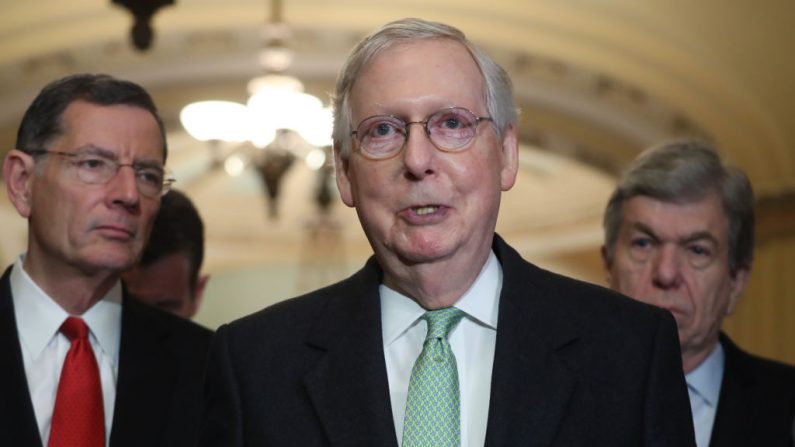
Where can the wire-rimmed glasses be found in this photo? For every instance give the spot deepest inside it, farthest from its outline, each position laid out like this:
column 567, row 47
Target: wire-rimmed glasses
column 450, row 129
column 95, row 168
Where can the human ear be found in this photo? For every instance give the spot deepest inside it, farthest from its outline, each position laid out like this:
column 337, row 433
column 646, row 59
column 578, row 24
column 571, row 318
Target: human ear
column 341, row 167
column 738, row 282
column 198, row 293
column 607, row 265
column 18, row 172
column 510, row 157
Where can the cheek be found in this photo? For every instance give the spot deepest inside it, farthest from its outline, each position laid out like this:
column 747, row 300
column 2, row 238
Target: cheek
column 481, row 171
column 630, row 279
column 372, row 183
column 712, row 296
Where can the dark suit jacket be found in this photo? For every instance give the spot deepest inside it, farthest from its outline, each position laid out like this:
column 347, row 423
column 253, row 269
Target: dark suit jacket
column 757, row 401
column 159, row 385
column 574, row 365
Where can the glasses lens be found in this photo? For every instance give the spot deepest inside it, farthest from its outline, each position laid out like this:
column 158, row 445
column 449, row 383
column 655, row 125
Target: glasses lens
column 150, row 180
column 94, row 169
column 381, row 136
column 452, row 128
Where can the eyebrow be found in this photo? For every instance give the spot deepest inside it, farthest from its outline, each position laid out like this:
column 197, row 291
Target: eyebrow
column 98, row 150
column 107, row 153
column 701, row 235
column 693, row 237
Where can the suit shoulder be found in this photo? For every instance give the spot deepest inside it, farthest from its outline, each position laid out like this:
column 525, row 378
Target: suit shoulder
column 173, row 324
column 297, row 314
column 602, row 319
column 561, row 294
column 588, row 299
column 765, row 370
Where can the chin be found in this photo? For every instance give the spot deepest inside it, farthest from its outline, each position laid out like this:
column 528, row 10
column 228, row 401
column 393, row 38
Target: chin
column 115, row 260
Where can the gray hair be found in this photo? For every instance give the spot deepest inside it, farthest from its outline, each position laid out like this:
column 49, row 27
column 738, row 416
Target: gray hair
column 682, row 172
column 498, row 94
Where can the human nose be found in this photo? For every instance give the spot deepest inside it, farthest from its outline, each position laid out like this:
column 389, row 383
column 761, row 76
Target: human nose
column 124, row 186
column 419, row 153
column 667, row 267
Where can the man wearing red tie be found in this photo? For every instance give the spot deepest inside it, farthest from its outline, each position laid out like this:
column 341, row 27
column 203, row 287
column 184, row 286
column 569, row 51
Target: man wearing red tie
column 84, row 365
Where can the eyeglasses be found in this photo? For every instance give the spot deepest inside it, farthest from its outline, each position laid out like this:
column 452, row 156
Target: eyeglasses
column 450, row 129
column 93, row 168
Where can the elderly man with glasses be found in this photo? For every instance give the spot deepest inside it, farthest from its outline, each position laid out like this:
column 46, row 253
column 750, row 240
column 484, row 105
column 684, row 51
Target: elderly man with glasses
column 446, row 337
column 85, row 365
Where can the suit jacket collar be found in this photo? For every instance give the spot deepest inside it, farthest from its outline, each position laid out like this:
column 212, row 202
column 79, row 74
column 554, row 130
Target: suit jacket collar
column 147, row 372
column 733, row 419
column 530, row 384
column 349, row 386
column 19, row 425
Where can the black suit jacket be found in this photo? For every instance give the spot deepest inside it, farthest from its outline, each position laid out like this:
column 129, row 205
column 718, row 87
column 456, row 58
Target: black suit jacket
column 158, row 389
column 756, row 405
column 574, row 365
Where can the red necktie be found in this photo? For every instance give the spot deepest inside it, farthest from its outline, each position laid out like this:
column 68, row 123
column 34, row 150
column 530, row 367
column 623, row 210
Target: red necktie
column 78, row 418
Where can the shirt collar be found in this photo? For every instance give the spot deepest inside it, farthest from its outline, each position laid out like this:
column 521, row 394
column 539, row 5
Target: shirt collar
column 707, row 377
column 39, row 317
column 481, row 303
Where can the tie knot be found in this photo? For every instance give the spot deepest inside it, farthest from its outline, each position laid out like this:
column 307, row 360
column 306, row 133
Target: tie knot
column 442, row 321
column 74, row 328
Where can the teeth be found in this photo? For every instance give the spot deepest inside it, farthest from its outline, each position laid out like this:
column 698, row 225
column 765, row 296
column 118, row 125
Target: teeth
column 423, row 210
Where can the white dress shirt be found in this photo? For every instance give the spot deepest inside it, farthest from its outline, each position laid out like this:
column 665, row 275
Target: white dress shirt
column 472, row 342
column 44, row 348
column 703, row 386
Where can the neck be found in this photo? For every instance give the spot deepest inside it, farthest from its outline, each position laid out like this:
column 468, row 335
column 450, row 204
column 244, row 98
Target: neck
column 691, row 359
column 75, row 292
column 435, row 285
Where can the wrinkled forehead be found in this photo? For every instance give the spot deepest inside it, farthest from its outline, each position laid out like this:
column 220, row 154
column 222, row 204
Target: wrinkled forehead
column 125, row 130
column 678, row 216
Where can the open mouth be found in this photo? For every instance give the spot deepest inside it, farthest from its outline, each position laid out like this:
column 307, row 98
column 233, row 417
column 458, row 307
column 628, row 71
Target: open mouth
column 425, row 210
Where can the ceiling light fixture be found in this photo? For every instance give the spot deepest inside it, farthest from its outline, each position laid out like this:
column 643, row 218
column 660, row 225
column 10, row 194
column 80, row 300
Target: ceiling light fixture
column 276, row 112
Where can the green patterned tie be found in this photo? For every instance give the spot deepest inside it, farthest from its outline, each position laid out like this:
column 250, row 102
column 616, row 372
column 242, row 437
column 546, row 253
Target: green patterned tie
column 432, row 407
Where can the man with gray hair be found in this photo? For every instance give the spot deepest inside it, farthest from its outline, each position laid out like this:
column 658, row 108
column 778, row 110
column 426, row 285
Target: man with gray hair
column 446, row 337
column 679, row 234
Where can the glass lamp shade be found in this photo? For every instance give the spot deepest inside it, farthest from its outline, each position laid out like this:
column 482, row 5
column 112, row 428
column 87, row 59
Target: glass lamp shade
column 317, row 126
column 279, row 106
column 216, row 120
column 276, row 102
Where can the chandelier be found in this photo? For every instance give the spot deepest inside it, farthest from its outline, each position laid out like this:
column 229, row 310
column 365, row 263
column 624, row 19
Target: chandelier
column 280, row 120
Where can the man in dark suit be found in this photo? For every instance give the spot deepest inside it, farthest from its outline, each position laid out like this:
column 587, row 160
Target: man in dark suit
column 447, row 336
column 85, row 364
column 679, row 234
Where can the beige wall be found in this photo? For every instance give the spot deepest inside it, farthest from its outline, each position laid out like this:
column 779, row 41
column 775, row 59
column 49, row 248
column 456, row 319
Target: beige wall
column 765, row 319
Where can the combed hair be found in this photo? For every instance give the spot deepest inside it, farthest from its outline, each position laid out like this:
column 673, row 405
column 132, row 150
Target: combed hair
column 499, row 89
column 42, row 121
column 683, row 172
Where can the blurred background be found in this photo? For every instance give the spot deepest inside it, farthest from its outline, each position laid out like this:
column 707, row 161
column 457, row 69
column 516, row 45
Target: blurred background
column 596, row 80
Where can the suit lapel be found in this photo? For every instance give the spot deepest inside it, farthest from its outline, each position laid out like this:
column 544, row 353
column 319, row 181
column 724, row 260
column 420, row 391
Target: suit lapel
column 146, row 380
column 349, row 386
column 733, row 420
column 531, row 385
column 19, row 425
